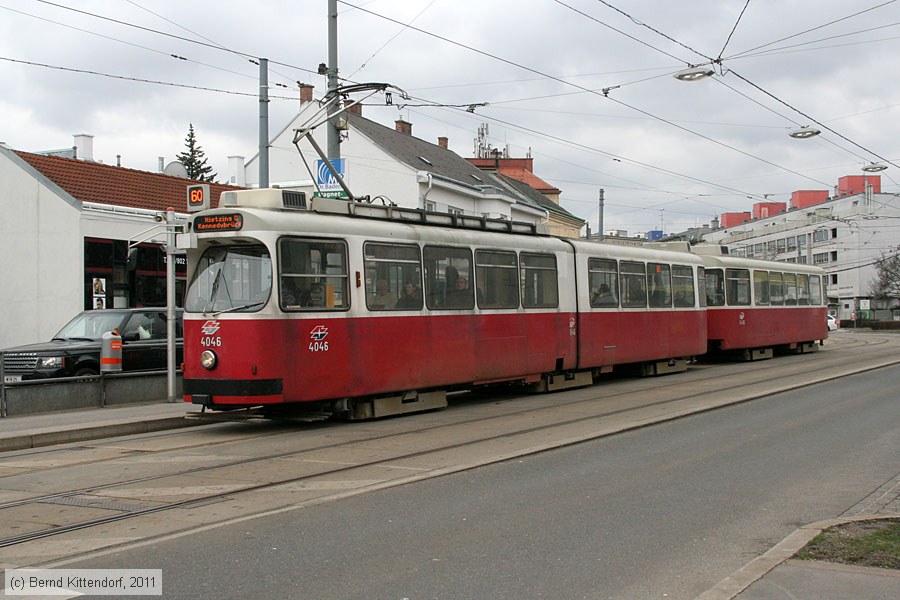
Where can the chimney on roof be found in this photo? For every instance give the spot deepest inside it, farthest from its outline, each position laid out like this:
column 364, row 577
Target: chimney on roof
column 442, row 142
column 306, row 93
column 84, row 146
column 162, row 164
column 236, row 172
column 404, row 127
column 354, row 107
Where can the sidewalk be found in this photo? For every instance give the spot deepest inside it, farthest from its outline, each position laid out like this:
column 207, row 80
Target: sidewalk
column 44, row 429
column 775, row 575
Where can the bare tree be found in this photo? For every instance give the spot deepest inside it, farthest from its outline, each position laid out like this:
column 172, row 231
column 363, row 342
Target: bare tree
column 886, row 285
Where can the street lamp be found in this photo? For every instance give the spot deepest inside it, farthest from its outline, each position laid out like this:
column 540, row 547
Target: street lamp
column 804, row 132
column 874, row 167
column 694, row 73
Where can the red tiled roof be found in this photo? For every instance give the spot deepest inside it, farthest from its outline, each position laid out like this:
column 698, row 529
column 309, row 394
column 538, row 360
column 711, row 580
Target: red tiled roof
column 529, row 178
column 105, row 184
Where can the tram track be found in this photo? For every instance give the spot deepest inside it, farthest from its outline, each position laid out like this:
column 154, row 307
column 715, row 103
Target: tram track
column 580, row 400
column 319, row 426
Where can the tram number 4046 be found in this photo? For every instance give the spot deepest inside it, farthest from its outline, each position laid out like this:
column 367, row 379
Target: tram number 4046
column 318, row 346
column 209, row 341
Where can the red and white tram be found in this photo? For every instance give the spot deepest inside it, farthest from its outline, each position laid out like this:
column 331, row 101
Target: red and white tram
column 371, row 310
column 758, row 307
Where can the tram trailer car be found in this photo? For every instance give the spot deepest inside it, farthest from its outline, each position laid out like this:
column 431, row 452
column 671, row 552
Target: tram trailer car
column 298, row 301
column 756, row 308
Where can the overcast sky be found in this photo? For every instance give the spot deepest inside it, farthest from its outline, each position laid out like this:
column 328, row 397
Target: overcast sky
column 669, row 154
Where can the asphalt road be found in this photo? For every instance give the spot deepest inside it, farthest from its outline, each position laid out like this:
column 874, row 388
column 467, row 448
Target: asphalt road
column 666, row 511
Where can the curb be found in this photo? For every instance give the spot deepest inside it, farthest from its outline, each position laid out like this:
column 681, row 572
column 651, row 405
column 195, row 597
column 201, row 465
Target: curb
column 757, row 568
column 35, row 438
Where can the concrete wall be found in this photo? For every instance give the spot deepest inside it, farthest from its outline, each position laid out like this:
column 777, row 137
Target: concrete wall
column 92, row 392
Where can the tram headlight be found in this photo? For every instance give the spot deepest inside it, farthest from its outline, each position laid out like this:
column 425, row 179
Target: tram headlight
column 208, row 359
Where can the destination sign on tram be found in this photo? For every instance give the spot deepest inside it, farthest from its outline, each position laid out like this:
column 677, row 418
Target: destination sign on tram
column 207, row 223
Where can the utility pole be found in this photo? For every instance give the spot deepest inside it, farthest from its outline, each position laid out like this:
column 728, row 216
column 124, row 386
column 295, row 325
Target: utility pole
column 263, row 123
column 334, row 136
column 600, row 220
column 170, row 304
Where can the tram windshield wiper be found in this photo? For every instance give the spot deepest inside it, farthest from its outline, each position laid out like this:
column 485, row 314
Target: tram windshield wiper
column 237, row 308
column 215, row 290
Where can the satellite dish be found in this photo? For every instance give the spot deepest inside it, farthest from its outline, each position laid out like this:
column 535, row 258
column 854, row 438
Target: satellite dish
column 176, row 169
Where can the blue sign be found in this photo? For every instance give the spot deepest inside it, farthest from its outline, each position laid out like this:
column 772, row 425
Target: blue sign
column 326, row 181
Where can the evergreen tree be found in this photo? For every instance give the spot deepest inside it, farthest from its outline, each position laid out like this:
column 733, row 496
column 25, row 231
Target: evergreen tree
column 194, row 160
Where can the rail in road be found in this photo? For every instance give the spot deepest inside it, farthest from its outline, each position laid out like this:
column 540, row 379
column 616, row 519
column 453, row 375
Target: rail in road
column 62, row 503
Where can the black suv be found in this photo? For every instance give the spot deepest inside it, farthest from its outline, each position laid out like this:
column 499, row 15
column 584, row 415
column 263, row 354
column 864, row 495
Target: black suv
column 75, row 350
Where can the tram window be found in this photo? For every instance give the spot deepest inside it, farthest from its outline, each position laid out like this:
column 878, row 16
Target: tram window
column 496, row 275
column 815, row 290
column 683, row 286
column 233, row 278
column 803, row 289
column 604, row 282
column 701, row 285
column 790, row 289
column 776, row 289
column 659, row 285
column 761, row 287
column 393, row 276
column 540, row 281
column 313, row 274
column 634, row 284
column 448, row 278
column 715, row 287
column 737, row 287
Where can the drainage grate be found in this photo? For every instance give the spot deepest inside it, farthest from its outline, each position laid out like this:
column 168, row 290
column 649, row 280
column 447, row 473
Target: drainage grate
column 96, row 502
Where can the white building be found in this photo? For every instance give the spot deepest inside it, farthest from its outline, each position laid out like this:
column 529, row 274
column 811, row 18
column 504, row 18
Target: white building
column 391, row 165
column 68, row 222
column 845, row 235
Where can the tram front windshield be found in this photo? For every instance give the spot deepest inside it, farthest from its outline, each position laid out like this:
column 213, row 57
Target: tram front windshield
column 230, row 279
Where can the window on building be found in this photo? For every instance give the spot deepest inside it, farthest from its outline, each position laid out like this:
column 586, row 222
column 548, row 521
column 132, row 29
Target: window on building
column 834, row 256
column 820, row 258
column 820, row 235
column 834, row 279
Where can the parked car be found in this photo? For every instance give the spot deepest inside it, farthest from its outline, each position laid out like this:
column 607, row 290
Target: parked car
column 75, row 350
column 833, row 323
